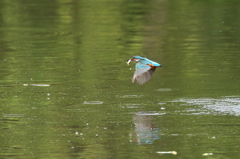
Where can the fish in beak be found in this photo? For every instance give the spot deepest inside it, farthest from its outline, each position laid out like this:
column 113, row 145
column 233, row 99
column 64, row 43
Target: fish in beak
column 129, row 61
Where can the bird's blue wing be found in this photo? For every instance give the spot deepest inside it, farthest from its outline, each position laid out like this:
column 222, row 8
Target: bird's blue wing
column 140, row 65
column 142, row 74
column 147, row 61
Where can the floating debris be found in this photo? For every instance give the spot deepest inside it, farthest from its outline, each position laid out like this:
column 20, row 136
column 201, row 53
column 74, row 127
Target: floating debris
column 92, row 102
column 38, row 85
column 41, row 85
column 207, row 154
column 167, row 152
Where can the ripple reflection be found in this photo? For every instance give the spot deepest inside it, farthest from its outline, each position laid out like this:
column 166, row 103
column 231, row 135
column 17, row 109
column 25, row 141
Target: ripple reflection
column 92, row 102
column 225, row 105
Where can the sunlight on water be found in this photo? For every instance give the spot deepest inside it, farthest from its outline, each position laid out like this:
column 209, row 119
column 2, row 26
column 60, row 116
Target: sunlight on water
column 150, row 113
column 164, row 89
column 92, row 102
column 131, row 96
column 225, row 105
column 130, row 105
column 13, row 115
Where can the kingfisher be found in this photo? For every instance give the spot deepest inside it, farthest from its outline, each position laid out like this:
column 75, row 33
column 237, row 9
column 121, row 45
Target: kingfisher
column 144, row 69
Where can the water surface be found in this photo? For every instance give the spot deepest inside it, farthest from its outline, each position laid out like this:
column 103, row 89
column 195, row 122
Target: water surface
column 66, row 90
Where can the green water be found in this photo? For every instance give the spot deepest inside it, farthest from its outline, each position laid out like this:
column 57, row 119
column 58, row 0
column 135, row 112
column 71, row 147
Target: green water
column 66, row 90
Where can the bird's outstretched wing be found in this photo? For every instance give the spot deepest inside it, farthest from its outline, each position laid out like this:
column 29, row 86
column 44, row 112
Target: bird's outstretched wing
column 143, row 73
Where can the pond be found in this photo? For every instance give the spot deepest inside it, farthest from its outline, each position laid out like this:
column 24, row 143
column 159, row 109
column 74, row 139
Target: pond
column 67, row 92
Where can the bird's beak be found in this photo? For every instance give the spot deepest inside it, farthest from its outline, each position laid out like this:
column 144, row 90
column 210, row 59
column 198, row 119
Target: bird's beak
column 129, row 61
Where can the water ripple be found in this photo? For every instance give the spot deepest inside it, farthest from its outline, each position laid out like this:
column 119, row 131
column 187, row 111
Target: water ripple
column 150, row 113
column 225, row 105
column 92, row 102
column 131, row 96
column 164, row 89
column 13, row 115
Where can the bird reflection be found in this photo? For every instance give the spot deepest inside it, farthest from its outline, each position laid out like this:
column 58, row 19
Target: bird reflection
column 145, row 132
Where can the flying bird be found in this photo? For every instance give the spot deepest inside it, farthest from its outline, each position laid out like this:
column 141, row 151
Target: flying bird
column 144, row 69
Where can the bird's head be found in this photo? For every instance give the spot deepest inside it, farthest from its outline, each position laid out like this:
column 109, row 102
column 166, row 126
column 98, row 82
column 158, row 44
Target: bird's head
column 135, row 58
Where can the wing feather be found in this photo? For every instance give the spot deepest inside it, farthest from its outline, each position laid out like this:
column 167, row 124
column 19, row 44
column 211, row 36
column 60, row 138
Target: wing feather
column 142, row 74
